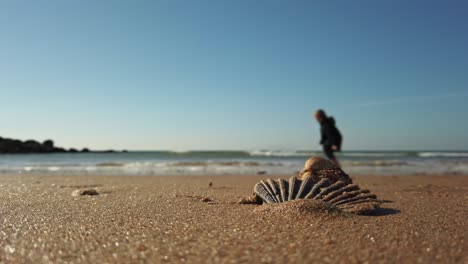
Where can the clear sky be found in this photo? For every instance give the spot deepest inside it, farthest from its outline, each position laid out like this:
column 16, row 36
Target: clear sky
column 241, row 74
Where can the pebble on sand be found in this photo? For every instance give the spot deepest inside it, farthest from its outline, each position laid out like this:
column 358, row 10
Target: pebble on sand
column 206, row 199
column 77, row 193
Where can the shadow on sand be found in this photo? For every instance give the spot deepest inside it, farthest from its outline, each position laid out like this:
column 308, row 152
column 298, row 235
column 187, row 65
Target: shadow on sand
column 384, row 211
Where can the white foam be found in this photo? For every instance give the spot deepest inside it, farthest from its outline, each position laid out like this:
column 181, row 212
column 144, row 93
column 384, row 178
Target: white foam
column 443, row 154
column 284, row 162
column 372, row 154
column 282, row 153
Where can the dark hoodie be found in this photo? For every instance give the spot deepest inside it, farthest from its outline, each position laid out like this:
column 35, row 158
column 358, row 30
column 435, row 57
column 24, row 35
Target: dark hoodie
column 330, row 134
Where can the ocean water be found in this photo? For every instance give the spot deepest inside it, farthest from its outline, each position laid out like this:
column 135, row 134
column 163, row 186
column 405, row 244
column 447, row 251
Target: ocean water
column 232, row 163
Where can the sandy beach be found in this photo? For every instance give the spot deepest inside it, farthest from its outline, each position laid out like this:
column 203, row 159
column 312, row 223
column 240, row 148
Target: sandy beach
column 183, row 219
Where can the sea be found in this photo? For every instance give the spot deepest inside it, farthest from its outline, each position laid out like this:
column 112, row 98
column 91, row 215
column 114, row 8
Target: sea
column 269, row 162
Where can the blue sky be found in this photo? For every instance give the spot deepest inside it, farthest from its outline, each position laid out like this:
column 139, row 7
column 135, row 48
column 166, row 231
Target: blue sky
column 234, row 74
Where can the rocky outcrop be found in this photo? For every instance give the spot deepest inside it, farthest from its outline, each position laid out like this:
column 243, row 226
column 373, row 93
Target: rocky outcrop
column 12, row 146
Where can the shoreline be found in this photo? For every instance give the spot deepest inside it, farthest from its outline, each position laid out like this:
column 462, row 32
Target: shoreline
column 160, row 163
column 182, row 219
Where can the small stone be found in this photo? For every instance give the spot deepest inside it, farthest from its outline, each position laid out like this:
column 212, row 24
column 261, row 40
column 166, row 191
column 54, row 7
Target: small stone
column 253, row 199
column 206, row 199
column 77, row 193
column 210, row 184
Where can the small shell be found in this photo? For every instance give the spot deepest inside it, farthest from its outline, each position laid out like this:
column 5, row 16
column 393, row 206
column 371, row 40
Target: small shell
column 319, row 168
column 347, row 197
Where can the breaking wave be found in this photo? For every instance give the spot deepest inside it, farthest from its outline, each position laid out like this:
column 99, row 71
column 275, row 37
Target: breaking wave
column 232, row 162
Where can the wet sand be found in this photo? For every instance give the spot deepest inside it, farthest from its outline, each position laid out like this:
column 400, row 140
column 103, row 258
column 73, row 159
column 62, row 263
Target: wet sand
column 181, row 219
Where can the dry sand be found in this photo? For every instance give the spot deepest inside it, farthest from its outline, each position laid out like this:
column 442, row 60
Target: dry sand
column 183, row 220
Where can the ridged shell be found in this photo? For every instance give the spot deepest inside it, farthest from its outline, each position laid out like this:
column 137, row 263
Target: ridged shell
column 347, row 197
column 319, row 168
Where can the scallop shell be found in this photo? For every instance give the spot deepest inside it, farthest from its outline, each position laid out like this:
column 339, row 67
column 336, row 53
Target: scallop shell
column 344, row 196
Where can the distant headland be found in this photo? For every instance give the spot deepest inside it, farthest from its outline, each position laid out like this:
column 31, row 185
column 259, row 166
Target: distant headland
column 15, row 146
